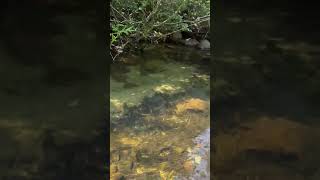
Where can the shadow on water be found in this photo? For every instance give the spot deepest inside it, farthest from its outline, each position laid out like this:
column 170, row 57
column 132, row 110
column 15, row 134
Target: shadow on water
column 266, row 96
column 52, row 120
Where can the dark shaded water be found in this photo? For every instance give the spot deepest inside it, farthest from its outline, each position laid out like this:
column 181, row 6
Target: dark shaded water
column 53, row 82
column 266, row 95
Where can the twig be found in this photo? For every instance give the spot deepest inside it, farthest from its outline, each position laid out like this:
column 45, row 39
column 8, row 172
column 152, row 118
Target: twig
column 154, row 11
column 118, row 11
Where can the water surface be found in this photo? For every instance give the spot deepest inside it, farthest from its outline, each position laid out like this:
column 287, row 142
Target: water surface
column 159, row 103
column 266, row 95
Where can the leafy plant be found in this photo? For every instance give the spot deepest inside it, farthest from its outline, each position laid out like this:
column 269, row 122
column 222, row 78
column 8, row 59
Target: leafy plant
column 154, row 20
column 119, row 30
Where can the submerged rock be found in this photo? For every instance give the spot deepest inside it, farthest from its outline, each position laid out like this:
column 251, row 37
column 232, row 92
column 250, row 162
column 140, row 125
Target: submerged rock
column 194, row 104
column 188, row 166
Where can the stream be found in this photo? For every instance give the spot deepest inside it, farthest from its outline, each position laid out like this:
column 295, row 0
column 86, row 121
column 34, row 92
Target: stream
column 159, row 104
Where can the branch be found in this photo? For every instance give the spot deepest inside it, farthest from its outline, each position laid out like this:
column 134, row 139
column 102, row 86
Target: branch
column 154, row 11
column 114, row 9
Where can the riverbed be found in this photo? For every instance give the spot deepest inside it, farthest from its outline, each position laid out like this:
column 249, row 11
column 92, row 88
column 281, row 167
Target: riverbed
column 159, row 103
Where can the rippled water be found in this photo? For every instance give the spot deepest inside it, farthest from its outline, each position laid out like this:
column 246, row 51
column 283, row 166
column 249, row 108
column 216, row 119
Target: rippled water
column 159, row 104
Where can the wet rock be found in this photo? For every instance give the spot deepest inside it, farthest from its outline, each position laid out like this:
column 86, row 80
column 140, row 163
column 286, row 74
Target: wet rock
column 191, row 42
column 204, row 44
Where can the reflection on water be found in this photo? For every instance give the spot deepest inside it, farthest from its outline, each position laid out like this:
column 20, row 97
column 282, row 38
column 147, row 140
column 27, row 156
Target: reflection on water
column 159, row 103
column 266, row 98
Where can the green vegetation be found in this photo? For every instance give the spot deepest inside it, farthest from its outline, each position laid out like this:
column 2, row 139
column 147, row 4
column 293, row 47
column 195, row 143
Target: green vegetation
column 153, row 20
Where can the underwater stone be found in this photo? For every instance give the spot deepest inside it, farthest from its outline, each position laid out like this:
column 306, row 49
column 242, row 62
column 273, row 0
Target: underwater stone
column 191, row 104
column 188, row 166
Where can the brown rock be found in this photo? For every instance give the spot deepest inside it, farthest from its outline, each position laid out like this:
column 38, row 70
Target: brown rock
column 188, row 166
column 191, row 104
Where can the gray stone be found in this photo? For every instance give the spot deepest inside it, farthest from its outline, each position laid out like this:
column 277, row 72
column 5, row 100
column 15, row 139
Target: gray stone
column 204, row 44
column 191, row 42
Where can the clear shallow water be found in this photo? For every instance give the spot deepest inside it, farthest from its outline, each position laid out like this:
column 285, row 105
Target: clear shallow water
column 159, row 103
